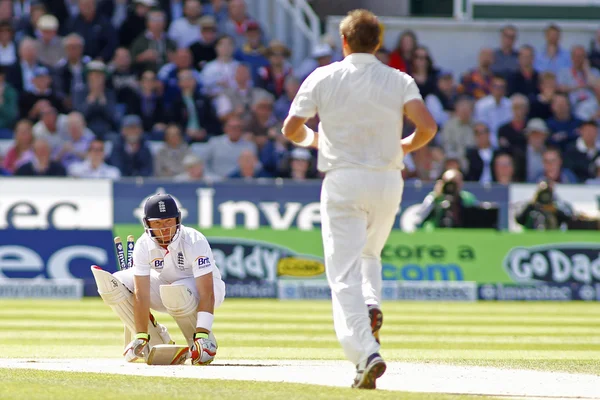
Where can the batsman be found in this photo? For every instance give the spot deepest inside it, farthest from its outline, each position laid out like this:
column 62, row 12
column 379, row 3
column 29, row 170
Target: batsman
column 172, row 271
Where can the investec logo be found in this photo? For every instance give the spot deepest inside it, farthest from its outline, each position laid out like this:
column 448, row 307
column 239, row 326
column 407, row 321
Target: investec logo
column 305, row 216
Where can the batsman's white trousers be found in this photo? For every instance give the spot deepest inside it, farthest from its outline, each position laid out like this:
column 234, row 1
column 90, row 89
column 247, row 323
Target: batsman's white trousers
column 358, row 209
column 126, row 276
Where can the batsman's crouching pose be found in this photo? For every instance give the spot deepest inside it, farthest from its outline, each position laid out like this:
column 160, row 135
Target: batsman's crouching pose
column 173, row 271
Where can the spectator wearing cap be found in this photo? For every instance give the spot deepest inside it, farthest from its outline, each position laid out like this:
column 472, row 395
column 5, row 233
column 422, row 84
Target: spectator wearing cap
column 525, row 80
column 554, row 171
column 8, row 49
column 322, row 55
column 94, row 166
column 540, row 105
column 20, row 74
column 9, row 98
column 581, row 83
column 236, row 24
column 511, row 135
column 494, row 109
column 29, row 102
column 477, row 82
column 168, row 75
column 203, row 50
column 49, row 44
column 530, row 164
column 401, row 56
column 96, row 102
column 300, row 166
column 184, row 31
column 253, row 53
column 272, row 76
column 194, row 111
column 505, row 57
column 79, row 139
column 552, row 57
column 100, row 38
column 135, row 22
column 131, row 154
column 194, row 171
column 219, row 74
column 238, row 99
column 167, row 162
column 122, row 78
column 222, row 152
column 442, row 100
column 457, row 134
column 248, row 167
column 282, row 105
column 147, row 102
column 69, row 74
column 21, row 150
column 423, row 71
column 581, row 156
column 41, row 164
column 152, row 49
column 217, row 9
column 563, row 124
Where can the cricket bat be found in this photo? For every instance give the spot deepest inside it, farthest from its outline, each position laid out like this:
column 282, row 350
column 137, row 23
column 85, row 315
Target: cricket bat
column 168, row 354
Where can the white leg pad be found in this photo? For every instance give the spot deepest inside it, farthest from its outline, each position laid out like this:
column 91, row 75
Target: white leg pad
column 118, row 297
column 182, row 305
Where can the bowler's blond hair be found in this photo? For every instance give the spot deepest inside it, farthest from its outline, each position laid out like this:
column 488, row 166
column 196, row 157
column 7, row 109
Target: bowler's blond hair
column 362, row 31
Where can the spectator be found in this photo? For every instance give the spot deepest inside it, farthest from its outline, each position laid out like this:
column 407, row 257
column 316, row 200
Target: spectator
column 383, row 55
column 31, row 13
column 193, row 170
column 152, row 49
column 480, row 157
column 193, row 110
column 238, row 99
column 6, row 11
column 553, row 168
column 511, row 135
column 20, row 75
column 51, row 127
column 219, row 74
column 580, row 82
column 96, row 102
column 130, row 153
column 594, row 54
column 238, row 20
column 581, row 156
column 321, row 56
column 148, row 104
column 254, row 53
column 8, row 102
column 282, row 105
column 21, row 151
column 525, row 79
column 8, row 50
column 540, row 106
column 218, row 10
column 75, row 149
column 203, row 50
column 222, row 152
column 300, row 165
column 477, row 82
column 169, row 73
column 457, row 134
column 94, row 166
column 184, row 31
column 172, row 8
column 123, row 79
column 248, row 166
column 596, row 179
column 495, row 109
column 99, row 36
column 49, row 44
column 441, row 101
column 272, row 77
column 531, row 164
column 29, row 102
column 552, row 58
column 135, row 22
column 562, row 124
column 504, row 169
column 401, row 56
column 41, row 164
column 69, row 72
column 167, row 161
column 423, row 71
column 505, row 58
column 422, row 165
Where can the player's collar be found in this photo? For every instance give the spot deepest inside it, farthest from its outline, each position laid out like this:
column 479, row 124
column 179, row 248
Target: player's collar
column 361, row 58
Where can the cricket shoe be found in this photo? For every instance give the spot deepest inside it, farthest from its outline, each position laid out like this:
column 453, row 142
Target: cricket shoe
column 368, row 372
column 376, row 317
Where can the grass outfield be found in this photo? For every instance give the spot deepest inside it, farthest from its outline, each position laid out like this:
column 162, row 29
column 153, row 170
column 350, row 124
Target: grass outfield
column 550, row 336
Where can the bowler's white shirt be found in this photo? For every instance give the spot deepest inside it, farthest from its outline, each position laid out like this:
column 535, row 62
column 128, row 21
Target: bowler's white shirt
column 189, row 255
column 360, row 102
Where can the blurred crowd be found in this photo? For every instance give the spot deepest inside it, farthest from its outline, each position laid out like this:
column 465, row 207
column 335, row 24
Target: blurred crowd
column 194, row 90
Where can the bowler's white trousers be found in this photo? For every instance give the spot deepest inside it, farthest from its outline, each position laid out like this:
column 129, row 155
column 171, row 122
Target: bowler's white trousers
column 358, row 209
column 156, row 303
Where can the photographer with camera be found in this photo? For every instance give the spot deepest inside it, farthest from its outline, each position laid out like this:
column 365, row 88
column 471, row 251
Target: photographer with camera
column 545, row 211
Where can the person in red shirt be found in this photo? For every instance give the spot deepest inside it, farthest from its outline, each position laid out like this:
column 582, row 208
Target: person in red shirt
column 401, row 56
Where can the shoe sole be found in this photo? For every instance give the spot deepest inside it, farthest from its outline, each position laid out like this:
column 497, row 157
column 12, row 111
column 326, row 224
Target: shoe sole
column 376, row 317
column 370, row 376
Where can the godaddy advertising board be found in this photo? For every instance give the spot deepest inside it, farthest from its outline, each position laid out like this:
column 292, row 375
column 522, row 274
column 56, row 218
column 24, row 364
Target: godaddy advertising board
column 267, row 243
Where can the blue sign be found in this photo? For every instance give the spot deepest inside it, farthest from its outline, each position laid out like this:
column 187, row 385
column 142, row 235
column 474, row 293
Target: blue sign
column 539, row 292
column 56, row 254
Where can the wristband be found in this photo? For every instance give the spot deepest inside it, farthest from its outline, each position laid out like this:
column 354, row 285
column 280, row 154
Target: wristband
column 142, row 335
column 201, row 335
column 310, row 137
column 205, row 320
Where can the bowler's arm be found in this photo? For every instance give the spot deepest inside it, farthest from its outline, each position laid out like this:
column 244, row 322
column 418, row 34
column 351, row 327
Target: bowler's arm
column 294, row 129
column 303, row 107
column 426, row 127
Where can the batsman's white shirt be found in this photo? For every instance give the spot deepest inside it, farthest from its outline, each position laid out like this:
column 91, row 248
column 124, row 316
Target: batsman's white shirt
column 360, row 103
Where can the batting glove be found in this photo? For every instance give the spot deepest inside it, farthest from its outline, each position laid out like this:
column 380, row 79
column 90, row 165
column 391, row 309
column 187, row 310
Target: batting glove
column 203, row 350
column 138, row 348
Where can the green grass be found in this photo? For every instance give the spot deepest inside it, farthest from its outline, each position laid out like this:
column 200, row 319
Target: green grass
column 46, row 385
column 549, row 336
